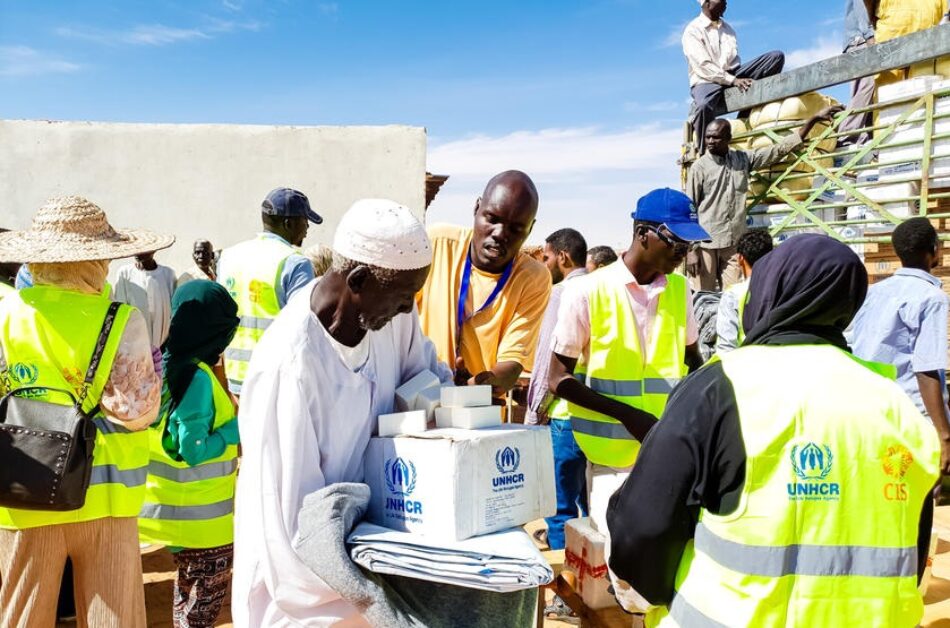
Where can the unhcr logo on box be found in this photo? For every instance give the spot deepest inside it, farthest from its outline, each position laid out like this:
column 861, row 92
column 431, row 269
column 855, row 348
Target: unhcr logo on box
column 401, row 481
column 507, row 461
column 812, row 464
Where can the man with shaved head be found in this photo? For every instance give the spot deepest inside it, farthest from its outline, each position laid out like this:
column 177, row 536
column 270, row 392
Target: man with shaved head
column 484, row 300
column 718, row 183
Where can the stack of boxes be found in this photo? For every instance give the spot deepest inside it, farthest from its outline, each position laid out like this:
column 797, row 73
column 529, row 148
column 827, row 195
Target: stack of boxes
column 467, row 407
column 900, row 160
column 446, row 468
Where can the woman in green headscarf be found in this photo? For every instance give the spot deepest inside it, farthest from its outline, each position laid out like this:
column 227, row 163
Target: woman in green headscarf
column 189, row 499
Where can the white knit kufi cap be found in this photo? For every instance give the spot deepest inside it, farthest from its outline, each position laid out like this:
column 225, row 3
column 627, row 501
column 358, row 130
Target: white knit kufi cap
column 382, row 233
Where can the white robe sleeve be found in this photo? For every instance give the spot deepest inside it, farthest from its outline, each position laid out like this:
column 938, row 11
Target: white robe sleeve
column 281, row 466
column 420, row 353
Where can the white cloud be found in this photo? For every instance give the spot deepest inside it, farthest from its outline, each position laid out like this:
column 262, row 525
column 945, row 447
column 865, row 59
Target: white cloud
column 588, row 178
column 822, row 48
column 25, row 61
column 675, row 35
column 558, row 152
column 232, row 5
column 156, row 34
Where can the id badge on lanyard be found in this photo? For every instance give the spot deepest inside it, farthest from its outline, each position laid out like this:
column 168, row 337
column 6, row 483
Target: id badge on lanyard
column 463, row 296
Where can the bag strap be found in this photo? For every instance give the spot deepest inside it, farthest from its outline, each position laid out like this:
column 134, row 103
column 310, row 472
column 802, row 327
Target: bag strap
column 97, row 353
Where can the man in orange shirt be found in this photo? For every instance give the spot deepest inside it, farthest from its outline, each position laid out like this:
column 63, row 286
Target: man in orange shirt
column 481, row 284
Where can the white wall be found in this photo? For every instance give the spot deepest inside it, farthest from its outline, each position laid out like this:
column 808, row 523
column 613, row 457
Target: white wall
column 205, row 181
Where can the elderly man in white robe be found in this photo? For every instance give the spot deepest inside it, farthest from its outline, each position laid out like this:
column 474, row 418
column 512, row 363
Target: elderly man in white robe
column 320, row 376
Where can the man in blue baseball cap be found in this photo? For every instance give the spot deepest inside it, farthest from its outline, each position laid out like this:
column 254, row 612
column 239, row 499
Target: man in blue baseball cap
column 261, row 274
column 625, row 337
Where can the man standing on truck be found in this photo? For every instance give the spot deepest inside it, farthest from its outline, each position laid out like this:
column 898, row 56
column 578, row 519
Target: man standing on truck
column 718, row 184
column 712, row 57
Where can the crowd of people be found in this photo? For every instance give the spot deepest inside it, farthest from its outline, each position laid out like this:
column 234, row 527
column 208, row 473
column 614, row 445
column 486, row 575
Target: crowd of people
column 295, row 367
column 735, row 492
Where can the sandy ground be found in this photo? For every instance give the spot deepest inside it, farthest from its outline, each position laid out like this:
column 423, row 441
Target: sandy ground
column 159, row 574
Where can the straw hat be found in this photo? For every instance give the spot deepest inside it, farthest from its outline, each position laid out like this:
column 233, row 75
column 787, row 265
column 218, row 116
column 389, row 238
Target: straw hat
column 72, row 229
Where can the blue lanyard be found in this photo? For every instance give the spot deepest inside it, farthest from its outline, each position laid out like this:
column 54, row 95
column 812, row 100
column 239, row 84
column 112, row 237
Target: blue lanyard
column 463, row 293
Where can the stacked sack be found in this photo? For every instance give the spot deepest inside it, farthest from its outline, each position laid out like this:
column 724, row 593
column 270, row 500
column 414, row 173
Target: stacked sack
column 781, row 113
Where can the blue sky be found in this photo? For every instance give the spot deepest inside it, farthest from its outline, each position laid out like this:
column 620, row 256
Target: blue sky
column 587, row 97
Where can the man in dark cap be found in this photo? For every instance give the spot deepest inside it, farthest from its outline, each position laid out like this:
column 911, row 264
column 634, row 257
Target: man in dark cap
column 261, row 274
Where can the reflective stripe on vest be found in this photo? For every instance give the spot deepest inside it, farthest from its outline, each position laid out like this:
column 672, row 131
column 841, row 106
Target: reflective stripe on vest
column 251, row 273
column 825, row 534
column 48, row 336
column 615, row 367
column 189, row 506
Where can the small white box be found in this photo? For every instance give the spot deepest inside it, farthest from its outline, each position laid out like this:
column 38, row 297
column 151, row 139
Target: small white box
column 584, row 555
column 402, row 423
column 406, row 394
column 455, row 484
column 427, row 401
column 468, row 418
column 466, row 396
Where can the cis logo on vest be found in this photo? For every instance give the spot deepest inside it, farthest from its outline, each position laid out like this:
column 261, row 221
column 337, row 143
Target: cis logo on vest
column 24, row 374
column 895, row 461
column 256, row 290
column 401, row 481
column 812, row 463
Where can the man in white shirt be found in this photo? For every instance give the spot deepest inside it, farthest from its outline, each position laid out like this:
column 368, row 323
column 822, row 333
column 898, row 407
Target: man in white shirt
column 205, row 264
column 320, row 376
column 148, row 286
column 712, row 57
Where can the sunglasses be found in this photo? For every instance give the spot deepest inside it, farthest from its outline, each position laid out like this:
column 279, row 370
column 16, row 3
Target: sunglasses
column 671, row 240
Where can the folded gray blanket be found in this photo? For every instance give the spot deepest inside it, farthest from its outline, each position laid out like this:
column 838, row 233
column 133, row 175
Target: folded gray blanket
column 325, row 521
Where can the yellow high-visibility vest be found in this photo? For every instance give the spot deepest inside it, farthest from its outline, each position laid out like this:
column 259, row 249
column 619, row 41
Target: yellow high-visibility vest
column 189, row 506
column 741, row 292
column 6, row 290
column 49, row 336
column 615, row 367
column 825, row 533
column 253, row 273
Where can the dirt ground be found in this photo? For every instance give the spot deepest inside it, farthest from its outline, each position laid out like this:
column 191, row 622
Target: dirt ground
column 159, row 574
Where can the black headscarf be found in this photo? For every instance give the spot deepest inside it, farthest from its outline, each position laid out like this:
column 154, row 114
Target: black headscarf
column 806, row 291
column 204, row 319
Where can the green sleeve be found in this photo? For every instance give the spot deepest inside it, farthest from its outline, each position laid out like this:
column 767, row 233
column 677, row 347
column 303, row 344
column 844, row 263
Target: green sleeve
column 190, row 423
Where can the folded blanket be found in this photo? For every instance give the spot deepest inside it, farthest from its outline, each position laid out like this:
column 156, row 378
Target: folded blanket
column 327, row 517
column 502, row 562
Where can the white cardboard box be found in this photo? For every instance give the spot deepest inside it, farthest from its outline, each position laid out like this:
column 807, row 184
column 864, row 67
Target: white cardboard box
column 427, row 401
column 406, row 394
column 468, row 418
column 466, row 396
column 455, row 484
column 402, row 423
column 584, row 555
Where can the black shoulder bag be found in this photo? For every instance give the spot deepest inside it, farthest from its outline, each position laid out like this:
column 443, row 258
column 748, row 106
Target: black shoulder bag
column 46, row 449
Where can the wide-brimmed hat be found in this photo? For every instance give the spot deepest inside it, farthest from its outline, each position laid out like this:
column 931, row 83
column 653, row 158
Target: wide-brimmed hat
column 73, row 229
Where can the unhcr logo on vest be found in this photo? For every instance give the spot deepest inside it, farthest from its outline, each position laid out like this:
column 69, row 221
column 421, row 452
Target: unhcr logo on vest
column 812, row 464
column 401, row 481
column 507, row 461
column 24, row 374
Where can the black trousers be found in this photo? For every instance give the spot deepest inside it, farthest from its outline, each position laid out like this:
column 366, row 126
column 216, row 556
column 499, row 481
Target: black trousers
column 709, row 99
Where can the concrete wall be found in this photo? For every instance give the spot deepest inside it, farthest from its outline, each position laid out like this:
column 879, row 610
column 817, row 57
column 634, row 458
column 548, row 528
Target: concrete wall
column 205, row 181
